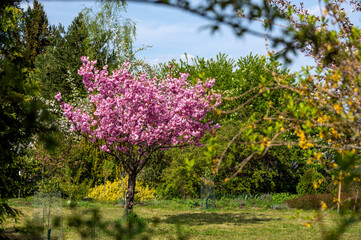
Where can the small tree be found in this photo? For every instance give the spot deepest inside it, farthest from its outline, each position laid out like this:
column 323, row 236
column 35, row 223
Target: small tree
column 131, row 118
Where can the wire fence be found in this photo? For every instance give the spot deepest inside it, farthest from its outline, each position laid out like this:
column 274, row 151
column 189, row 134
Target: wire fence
column 48, row 215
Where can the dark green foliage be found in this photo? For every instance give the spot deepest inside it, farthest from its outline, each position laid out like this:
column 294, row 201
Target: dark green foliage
column 14, row 3
column 181, row 179
column 180, row 183
column 23, row 175
column 254, row 179
column 311, row 182
column 22, row 115
column 15, row 112
column 152, row 173
column 90, row 34
column 72, row 168
column 57, row 69
column 7, row 212
column 10, row 34
column 276, row 171
column 36, row 31
column 288, row 164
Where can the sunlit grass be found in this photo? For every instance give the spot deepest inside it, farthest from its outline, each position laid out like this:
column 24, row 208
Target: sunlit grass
column 176, row 219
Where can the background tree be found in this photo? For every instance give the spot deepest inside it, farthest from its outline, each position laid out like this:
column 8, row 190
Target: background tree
column 11, row 45
column 21, row 115
column 113, row 36
column 276, row 171
column 100, row 33
column 36, row 31
column 110, row 31
column 56, row 69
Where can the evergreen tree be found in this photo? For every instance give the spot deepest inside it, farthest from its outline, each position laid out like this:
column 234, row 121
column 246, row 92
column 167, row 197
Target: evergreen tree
column 36, row 31
column 57, row 68
column 21, row 115
column 99, row 35
column 10, row 32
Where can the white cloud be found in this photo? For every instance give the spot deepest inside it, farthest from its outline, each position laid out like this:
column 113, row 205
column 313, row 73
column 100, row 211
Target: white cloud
column 184, row 57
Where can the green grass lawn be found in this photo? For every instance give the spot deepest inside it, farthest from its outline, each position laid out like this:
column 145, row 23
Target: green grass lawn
column 176, row 220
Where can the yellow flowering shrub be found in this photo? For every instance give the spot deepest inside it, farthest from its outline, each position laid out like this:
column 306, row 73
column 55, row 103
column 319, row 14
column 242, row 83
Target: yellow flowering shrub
column 115, row 191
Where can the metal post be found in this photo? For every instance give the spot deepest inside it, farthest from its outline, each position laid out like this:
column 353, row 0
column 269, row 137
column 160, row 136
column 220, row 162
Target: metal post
column 124, row 198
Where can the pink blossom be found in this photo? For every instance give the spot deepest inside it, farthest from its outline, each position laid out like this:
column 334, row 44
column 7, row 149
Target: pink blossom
column 58, row 97
column 128, row 111
column 104, row 148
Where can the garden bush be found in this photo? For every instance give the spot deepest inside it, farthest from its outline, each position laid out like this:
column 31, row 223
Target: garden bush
column 310, row 201
column 311, row 182
column 313, row 201
column 114, row 191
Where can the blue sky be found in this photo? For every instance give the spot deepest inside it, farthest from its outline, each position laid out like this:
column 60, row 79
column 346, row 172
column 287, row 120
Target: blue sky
column 173, row 32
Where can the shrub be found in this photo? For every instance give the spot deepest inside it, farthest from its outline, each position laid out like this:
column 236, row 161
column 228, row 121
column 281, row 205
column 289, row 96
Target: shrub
column 313, row 201
column 115, row 191
column 310, row 201
column 75, row 191
column 311, row 182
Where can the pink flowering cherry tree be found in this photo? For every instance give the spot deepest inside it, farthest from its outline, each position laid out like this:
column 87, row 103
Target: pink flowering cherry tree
column 131, row 117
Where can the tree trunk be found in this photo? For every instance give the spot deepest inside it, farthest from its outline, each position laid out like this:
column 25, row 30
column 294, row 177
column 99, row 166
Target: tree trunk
column 129, row 199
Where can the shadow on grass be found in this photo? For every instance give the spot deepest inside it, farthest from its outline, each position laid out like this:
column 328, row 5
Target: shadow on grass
column 215, row 218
